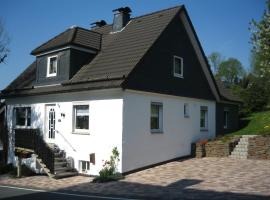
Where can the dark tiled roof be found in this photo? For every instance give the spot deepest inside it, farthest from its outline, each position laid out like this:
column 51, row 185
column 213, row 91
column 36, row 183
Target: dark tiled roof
column 226, row 93
column 25, row 80
column 72, row 36
column 121, row 51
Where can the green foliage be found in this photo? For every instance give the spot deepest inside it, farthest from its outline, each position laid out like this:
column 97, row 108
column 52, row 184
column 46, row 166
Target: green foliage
column 231, row 71
column 255, row 96
column 260, row 40
column 215, row 59
column 109, row 170
column 258, row 124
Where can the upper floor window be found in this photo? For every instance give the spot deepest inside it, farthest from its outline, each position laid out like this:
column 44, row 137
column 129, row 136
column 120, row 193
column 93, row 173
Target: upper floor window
column 204, row 118
column 23, row 117
column 156, row 117
column 81, row 118
column 52, row 66
column 225, row 117
column 178, row 66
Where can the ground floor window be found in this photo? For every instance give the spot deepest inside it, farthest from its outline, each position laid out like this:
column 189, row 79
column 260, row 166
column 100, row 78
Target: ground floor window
column 23, row 116
column 156, row 117
column 225, row 117
column 204, row 118
column 81, row 117
column 84, row 166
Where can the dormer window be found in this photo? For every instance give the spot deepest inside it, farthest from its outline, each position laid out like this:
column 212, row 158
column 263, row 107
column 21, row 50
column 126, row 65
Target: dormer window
column 178, row 67
column 52, row 66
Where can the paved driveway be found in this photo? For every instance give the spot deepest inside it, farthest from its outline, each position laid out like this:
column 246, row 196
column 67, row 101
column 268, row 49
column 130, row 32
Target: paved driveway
column 207, row 178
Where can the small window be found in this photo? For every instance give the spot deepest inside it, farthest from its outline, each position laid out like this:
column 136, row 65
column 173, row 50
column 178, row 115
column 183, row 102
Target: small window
column 52, row 66
column 178, row 66
column 23, row 116
column 225, row 117
column 81, row 117
column 204, row 118
column 84, row 166
column 186, row 110
column 156, row 117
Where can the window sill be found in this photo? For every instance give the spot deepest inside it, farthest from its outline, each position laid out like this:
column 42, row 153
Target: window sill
column 204, row 130
column 156, row 131
column 178, row 76
column 23, row 127
column 80, row 133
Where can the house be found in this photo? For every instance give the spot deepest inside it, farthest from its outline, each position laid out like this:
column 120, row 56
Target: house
column 141, row 84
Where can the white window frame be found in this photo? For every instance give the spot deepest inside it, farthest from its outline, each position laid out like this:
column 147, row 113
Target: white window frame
column 205, row 128
column 160, row 117
column 26, row 115
column 48, row 66
column 226, row 110
column 87, row 170
column 182, row 67
column 186, row 110
column 80, row 131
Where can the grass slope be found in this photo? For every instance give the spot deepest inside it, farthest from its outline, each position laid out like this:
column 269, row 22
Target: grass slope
column 259, row 124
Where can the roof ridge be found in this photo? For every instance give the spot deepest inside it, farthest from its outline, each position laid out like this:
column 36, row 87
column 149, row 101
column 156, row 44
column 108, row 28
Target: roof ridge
column 151, row 13
column 85, row 29
column 155, row 12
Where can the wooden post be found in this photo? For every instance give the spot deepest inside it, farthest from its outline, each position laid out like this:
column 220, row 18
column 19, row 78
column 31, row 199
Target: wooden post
column 19, row 167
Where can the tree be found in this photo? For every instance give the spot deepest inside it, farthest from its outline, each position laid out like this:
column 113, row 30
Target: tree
column 230, row 71
column 215, row 59
column 4, row 42
column 260, row 40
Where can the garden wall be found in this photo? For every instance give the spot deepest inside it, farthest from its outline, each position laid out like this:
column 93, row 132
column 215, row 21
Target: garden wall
column 259, row 147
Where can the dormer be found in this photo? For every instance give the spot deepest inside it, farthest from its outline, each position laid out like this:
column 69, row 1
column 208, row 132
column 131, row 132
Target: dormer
column 61, row 57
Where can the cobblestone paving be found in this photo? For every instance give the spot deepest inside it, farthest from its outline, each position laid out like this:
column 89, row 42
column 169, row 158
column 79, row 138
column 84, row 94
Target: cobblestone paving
column 207, row 178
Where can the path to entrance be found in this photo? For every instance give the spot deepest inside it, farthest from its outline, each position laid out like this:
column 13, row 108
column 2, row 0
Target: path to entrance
column 207, row 178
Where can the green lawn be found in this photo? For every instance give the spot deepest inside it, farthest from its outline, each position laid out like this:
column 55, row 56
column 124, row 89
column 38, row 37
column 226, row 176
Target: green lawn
column 259, row 124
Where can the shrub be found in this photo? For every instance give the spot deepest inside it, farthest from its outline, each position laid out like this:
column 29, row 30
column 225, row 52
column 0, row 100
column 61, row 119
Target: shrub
column 109, row 170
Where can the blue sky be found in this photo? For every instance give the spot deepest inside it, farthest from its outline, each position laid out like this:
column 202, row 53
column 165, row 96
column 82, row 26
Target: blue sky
column 221, row 25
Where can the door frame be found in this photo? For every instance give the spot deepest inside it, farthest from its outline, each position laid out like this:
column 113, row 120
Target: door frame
column 46, row 129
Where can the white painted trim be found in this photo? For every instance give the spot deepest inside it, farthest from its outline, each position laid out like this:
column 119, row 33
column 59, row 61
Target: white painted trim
column 41, row 86
column 199, row 54
column 14, row 117
column 205, row 108
column 165, row 95
column 182, row 67
column 80, row 131
column 160, row 117
column 48, row 66
column 68, row 47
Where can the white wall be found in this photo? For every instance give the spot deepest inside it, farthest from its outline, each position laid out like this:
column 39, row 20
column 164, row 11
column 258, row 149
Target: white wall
column 105, row 129
column 142, row 148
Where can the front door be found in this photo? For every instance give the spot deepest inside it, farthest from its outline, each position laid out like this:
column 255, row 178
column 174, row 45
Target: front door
column 50, row 123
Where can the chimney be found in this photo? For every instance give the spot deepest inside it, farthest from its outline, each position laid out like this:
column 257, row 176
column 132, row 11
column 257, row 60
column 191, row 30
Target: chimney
column 121, row 18
column 98, row 24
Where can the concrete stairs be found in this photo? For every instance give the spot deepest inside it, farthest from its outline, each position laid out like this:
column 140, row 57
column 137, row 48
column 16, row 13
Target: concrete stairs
column 61, row 168
column 241, row 149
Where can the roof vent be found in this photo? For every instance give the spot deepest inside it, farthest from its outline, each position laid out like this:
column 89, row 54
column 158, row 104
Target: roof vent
column 121, row 18
column 98, row 24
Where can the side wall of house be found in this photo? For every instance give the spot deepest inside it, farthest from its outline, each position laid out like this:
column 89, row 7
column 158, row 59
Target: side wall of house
column 233, row 118
column 142, row 148
column 105, row 124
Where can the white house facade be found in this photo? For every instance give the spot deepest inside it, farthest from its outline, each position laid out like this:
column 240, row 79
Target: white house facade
column 142, row 85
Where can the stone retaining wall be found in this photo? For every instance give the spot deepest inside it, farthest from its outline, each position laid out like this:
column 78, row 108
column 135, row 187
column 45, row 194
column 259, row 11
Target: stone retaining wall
column 213, row 149
column 259, row 147
column 219, row 149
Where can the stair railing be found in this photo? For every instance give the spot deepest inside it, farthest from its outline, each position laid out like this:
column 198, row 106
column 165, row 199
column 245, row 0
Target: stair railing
column 32, row 139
